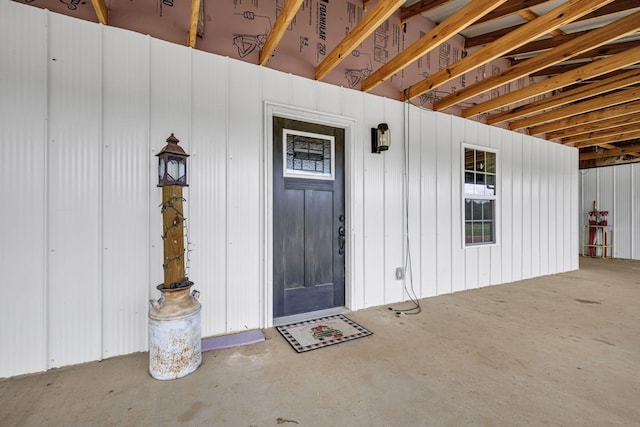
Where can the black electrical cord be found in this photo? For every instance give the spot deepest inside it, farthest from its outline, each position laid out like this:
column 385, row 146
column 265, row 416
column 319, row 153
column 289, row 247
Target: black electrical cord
column 416, row 309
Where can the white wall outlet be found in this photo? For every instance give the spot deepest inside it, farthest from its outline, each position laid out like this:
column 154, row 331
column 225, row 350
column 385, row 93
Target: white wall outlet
column 399, row 273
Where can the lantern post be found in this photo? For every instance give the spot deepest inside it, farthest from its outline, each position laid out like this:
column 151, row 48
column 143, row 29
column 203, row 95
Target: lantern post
column 175, row 348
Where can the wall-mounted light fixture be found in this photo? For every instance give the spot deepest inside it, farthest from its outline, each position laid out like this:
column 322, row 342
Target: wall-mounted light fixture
column 380, row 138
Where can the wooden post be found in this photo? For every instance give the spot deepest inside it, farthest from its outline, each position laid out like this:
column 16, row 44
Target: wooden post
column 173, row 233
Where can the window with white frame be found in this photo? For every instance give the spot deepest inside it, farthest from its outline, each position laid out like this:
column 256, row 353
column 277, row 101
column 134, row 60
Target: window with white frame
column 480, row 196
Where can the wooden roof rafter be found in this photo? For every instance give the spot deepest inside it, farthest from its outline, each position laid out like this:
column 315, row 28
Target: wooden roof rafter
column 561, row 15
column 419, row 8
column 560, row 81
column 583, row 118
column 367, row 25
column 450, row 27
column 591, row 104
column 627, row 149
column 284, row 18
column 609, row 9
column 614, row 122
column 101, row 11
column 587, row 42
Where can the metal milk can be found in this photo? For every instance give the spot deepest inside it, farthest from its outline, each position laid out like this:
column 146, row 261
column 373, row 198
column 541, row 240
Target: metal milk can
column 174, row 333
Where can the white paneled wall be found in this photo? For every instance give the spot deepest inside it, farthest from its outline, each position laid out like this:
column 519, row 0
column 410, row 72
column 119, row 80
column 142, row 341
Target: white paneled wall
column 617, row 190
column 84, row 110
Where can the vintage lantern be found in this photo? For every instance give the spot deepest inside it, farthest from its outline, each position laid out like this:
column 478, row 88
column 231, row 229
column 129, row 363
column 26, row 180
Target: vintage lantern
column 172, row 164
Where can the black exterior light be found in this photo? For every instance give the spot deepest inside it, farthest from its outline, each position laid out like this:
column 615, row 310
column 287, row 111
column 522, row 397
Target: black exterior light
column 172, row 164
column 380, row 138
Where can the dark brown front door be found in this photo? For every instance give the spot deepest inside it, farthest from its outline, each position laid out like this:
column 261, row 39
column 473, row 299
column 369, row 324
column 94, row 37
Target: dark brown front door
column 308, row 217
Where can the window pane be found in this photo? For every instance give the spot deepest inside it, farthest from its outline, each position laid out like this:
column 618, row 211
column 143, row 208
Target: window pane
column 468, row 177
column 468, row 232
column 467, row 209
column 477, row 210
column 490, row 189
column 487, row 212
column 468, row 159
column 490, row 162
column 480, row 161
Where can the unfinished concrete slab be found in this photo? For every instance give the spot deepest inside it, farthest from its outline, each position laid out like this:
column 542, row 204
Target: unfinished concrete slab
column 560, row 350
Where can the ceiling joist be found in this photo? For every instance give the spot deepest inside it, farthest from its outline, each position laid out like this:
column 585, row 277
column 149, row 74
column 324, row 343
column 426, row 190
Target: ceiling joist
column 628, row 149
column 419, row 8
column 599, row 134
column 610, row 137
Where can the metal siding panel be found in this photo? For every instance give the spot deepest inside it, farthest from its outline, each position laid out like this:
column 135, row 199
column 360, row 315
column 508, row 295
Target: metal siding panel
column 458, row 132
column 74, row 191
column 244, row 192
column 208, row 173
column 544, row 209
column 505, row 169
column 635, row 211
column 572, row 170
column 555, row 205
column 484, row 252
column 534, row 199
column 22, row 113
column 517, row 205
column 304, row 92
column 126, row 192
column 496, row 250
column 428, row 204
column 414, row 273
column 393, row 201
column 620, row 214
column 352, row 105
column 276, row 86
column 374, row 209
column 328, row 97
column 527, row 205
column 443, row 203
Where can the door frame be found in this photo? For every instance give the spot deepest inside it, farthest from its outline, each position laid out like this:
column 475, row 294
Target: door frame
column 274, row 109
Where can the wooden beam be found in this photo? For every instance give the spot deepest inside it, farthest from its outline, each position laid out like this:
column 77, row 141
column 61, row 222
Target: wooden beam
column 609, row 9
column 629, row 149
column 613, row 137
column 585, row 72
column 420, row 8
column 600, row 51
column 582, row 92
column 598, row 37
column 544, row 44
column 529, row 15
column 284, row 18
column 367, row 25
column 193, row 22
column 101, row 11
column 439, row 34
column 559, row 16
column 597, row 103
column 614, row 122
column 581, row 119
column 592, row 136
column 509, row 8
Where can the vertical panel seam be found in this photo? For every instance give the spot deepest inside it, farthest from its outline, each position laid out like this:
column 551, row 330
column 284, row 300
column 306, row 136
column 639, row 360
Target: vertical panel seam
column 47, row 237
column 101, row 249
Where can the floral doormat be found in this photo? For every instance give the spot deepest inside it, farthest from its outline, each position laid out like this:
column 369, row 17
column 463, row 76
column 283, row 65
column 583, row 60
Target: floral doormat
column 322, row 332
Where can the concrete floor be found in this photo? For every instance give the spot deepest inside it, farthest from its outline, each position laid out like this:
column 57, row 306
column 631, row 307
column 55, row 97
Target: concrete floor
column 560, row 350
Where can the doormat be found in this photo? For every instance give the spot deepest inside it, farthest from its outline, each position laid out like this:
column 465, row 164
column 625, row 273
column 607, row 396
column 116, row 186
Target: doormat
column 232, row 340
column 322, row 332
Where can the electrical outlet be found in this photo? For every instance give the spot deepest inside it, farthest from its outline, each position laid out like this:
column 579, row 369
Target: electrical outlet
column 399, row 273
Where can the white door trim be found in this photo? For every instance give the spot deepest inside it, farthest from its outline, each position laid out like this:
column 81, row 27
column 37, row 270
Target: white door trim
column 271, row 110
